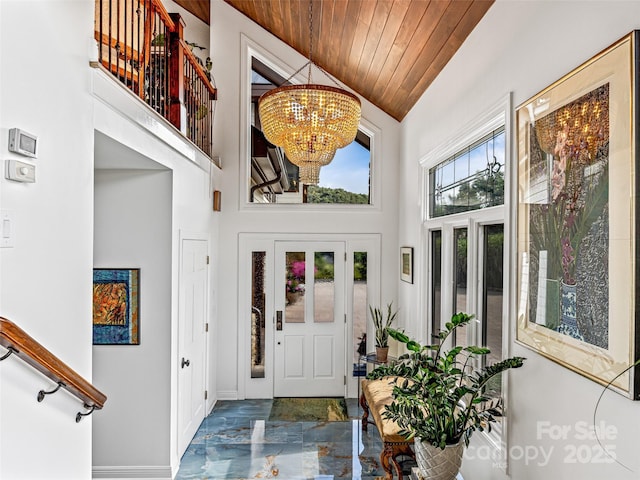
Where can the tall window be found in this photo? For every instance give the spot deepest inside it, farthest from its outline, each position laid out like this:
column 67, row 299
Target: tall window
column 436, row 283
column 492, row 297
column 465, row 232
column 460, row 245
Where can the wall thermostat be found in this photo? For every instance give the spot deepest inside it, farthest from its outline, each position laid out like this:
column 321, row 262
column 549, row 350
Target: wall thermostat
column 23, row 143
column 20, row 171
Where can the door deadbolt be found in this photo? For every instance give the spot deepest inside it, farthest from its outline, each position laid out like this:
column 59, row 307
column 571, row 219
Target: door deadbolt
column 279, row 320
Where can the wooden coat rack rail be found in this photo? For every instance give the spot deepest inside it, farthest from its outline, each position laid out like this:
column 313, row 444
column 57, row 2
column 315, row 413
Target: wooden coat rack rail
column 20, row 344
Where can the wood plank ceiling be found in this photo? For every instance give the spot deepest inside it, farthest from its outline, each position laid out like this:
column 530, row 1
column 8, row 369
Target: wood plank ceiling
column 387, row 51
column 200, row 8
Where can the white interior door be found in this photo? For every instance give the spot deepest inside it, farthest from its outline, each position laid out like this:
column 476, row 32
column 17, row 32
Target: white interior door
column 192, row 339
column 310, row 319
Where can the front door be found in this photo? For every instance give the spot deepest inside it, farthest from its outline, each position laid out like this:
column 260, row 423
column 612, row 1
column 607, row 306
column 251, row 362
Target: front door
column 192, row 339
column 310, row 319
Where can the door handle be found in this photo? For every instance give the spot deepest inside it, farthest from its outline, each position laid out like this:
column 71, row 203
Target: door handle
column 184, row 363
column 279, row 320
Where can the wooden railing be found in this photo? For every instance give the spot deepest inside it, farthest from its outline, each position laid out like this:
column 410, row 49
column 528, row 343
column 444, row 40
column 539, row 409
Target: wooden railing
column 143, row 47
column 20, row 344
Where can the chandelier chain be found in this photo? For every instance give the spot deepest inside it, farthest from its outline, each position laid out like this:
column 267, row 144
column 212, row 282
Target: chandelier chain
column 310, row 38
column 309, row 122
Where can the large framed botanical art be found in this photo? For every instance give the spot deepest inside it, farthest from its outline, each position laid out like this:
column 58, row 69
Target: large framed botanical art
column 115, row 306
column 577, row 219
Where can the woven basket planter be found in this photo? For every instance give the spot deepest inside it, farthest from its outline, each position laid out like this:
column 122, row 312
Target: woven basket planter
column 437, row 464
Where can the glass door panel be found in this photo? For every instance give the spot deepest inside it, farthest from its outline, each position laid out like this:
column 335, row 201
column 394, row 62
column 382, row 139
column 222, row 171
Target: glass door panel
column 258, row 314
column 360, row 309
column 295, row 287
column 323, row 287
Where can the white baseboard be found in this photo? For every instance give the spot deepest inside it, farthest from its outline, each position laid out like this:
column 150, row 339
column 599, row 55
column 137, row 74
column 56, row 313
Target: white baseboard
column 228, row 395
column 133, row 473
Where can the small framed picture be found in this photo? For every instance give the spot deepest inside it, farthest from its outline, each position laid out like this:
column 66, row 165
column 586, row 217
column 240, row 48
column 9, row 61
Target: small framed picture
column 115, row 306
column 406, row 264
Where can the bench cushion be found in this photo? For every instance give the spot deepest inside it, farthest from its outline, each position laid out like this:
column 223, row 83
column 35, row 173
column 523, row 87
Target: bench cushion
column 378, row 394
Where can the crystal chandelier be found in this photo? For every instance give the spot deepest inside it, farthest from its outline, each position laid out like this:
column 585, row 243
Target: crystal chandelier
column 309, row 172
column 310, row 122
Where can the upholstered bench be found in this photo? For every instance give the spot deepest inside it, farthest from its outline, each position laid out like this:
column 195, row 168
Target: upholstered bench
column 375, row 395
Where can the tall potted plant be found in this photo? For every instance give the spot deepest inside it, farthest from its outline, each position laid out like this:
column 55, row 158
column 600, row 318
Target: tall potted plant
column 439, row 400
column 381, row 325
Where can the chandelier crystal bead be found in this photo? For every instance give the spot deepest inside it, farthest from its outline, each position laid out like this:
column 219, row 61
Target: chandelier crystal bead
column 309, row 173
column 310, row 122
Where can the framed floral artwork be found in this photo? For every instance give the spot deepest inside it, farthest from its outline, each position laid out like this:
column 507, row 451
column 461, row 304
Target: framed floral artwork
column 115, row 306
column 577, row 201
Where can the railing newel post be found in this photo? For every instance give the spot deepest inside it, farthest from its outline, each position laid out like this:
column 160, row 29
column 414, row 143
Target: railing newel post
column 176, row 76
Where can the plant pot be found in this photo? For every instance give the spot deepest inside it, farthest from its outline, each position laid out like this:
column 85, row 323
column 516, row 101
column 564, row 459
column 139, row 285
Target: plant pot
column 292, row 297
column 437, row 464
column 568, row 309
column 381, row 354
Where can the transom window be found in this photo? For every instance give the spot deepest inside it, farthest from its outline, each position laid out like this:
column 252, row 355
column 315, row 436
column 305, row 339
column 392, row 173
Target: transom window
column 471, row 179
column 274, row 179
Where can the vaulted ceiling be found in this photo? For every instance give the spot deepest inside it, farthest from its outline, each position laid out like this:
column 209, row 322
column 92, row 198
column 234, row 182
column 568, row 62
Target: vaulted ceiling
column 387, row 51
column 200, row 8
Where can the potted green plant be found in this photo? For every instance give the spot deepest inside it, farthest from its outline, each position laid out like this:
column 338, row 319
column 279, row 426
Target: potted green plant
column 381, row 323
column 439, row 399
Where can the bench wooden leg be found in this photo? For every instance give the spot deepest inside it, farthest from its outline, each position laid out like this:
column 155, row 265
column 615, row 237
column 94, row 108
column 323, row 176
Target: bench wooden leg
column 385, row 460
column 365, row 412
column 390, row 454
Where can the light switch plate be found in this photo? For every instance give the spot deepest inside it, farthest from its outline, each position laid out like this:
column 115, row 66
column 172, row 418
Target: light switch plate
column 7, row 229
column 20, row 171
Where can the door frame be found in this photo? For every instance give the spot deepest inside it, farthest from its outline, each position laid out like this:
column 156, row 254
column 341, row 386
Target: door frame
column 285, row 386
column 249, row 242
column 199, row 236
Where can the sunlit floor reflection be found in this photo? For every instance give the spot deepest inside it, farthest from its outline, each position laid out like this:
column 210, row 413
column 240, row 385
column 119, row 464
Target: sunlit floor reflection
column 237, row 441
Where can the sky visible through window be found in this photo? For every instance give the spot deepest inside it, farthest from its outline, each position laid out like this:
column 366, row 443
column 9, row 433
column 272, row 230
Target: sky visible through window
column 348, row 170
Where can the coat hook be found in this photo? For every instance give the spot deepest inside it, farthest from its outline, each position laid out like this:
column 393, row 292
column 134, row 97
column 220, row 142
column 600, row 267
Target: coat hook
column 42, row 393
column 6, row 355
column 79, row 415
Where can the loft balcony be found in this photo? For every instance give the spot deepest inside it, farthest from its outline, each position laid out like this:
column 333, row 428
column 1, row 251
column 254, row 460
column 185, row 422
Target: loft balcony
column 143, row 46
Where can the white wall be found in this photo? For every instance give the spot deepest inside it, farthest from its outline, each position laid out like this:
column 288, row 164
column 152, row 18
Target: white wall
column 133, row 230
column 49, row 89
column 195, row 30
column 151, row 143
column 45, row 283
column 522, row 47
column 227, row 26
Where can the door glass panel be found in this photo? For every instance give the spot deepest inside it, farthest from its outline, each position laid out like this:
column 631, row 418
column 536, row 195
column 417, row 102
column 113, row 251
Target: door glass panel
column 323, row 287
column 493, row 261
column 360, row 303
column 257, row 314
column 295, row 287
column 460, row 280
column 436, row 283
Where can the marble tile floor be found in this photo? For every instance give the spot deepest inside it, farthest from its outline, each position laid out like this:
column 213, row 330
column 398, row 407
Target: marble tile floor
column 238, row 442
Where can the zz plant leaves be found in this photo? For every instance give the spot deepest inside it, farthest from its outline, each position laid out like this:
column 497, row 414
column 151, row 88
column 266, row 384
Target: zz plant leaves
column 439, row 396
